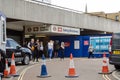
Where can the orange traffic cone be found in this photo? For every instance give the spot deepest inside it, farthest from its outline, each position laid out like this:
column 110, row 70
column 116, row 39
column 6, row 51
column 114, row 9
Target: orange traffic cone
column 105, row 69
column 71, row 72
column 6, row 71
column 13, row 67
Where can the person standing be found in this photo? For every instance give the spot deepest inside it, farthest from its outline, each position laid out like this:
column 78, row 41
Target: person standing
column 31, row 45
column 50, row 48
column 56, row 49
column 37, row 50
column 2, row 61
column 41, row 49
column 62, row 48
column 109, row 49
column 90, row 50
column 25, row 44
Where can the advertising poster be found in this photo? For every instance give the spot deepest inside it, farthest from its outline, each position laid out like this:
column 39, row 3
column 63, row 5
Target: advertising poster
column 100, row 44
column 76, row 44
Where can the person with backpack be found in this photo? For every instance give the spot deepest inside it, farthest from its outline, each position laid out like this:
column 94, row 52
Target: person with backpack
column 31, row 46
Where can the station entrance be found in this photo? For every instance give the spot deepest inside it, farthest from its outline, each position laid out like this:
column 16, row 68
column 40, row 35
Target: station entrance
column 76, row 40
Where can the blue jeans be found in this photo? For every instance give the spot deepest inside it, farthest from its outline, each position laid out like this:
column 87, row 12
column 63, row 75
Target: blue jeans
column 50, row 53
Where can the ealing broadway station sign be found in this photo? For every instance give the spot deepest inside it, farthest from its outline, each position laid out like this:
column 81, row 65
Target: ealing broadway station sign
column 52, row 29
column 65, row 30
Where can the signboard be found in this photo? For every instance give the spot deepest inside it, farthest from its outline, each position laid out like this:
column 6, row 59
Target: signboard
column 76, row 44
column 36, row 29
column 3, row 23
column 65, row 30
column 86, row 42
column 2, row 31
column 67, row 44
column 51, row 29
column 100, row 44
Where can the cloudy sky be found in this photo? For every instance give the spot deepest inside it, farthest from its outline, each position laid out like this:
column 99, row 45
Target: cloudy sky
column 107, row 6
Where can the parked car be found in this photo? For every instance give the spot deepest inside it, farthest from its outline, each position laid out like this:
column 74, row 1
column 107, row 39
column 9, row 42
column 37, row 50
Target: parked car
column 21, row 54
column 115, row 48
column 2, row 60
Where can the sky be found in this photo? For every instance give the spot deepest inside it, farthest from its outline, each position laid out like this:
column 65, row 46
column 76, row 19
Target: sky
column 107, row 6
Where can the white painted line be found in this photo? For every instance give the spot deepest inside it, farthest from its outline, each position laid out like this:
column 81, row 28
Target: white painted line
column 113, row 74
column 104, row 77
column 107, row 77
column 24, row 71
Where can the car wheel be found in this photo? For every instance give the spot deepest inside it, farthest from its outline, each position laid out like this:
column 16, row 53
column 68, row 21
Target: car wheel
column 117, row 67
column 26, row 60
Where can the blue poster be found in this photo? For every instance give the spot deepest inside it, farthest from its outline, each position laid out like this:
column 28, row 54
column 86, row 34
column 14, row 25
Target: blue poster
column 100, row 44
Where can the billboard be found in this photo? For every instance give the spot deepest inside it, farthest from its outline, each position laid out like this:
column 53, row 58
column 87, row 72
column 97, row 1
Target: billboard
column 65, row 30
column 100, row 44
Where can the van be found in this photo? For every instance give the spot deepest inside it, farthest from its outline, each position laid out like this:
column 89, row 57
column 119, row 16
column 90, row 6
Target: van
column 114, row 57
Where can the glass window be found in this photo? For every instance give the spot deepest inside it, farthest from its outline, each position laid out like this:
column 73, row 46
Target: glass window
column 116, row 41
column 7, row 44
column 13, row 44
column 117, row 18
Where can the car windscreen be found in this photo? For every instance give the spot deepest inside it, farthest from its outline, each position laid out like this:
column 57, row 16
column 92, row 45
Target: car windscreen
column 11, row 43
column 116, row 41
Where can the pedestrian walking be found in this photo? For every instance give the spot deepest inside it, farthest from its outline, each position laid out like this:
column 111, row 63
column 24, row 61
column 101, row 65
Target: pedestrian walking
column 90, row 50
column 62, row 48
column 50, row 48
column 31, row 45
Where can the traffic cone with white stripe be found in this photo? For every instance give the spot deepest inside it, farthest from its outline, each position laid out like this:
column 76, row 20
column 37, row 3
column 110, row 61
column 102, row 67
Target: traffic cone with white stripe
column 44, row 73
column 13, row 67
column 105, row 69
column 6, row 71
column 71, row 72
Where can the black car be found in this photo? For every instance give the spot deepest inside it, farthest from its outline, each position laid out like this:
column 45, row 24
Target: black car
column 21, row 54
column 115, row 47
column 2, row 60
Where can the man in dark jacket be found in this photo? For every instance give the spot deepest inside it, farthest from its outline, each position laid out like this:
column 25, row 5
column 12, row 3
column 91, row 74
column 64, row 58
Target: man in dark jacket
column 2, row 61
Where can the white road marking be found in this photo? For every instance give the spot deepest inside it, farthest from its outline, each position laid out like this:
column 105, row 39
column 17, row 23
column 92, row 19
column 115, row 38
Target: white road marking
column 113, row 74
column 24, row 71
column 106, row 77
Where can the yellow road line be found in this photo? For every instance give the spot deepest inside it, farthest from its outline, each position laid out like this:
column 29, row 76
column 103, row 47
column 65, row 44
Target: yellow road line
column 24, row 71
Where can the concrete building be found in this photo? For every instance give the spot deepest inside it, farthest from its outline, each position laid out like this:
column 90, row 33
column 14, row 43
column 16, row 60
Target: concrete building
column 112, row 16
column 42, row 19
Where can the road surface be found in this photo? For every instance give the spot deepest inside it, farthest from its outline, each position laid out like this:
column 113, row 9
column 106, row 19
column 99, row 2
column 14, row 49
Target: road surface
column 87, row 69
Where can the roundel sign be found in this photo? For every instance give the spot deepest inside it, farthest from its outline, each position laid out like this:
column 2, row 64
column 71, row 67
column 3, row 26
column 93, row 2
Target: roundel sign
column 29, row 29
column 54, row 29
